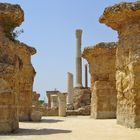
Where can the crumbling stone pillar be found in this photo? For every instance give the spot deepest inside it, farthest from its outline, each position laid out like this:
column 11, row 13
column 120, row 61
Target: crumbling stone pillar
column 70, row 88
column 101, row 59
column 11, row 16
column 125, row 18
column 62, row 104
column 26, row 79
column 78, row 58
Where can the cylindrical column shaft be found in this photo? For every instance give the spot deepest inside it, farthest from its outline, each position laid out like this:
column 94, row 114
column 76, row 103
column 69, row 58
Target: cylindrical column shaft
column 78, row 58
column 70, row 88
column 86, row 76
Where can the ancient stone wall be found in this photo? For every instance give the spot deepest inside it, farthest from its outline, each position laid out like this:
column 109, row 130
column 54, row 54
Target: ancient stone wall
column 10, row 17
column 81, row 97
column 15, row 67
column 26, row 80
column 125, row 18
column 101, row 59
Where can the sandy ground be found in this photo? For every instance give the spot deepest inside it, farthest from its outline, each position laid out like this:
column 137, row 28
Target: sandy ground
column 73, row 128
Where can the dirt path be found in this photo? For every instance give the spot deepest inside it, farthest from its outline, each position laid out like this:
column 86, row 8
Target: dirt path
column 73, row 128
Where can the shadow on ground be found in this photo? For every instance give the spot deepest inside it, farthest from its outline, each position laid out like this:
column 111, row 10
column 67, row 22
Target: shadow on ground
column 27, row 132
column 51, row 121
column 47, row 121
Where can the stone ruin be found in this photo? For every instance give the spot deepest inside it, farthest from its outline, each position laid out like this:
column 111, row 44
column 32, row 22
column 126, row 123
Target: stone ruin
column 16, row 70
column 36, row 112
column 125, row 18
column 82, row 100
column 101, row 59
column 35, row 100
column 26, row 77
column 69, row 91
column 56, row 103
column 10, row 17
column 62, row 104
column 26, row 80
column 81, row 95
column 52, row 109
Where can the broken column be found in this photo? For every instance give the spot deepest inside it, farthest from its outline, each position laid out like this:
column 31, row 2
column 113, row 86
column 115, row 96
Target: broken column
column 125, row 18
column 62, row 104
column 70, row 88
column 11, row 16
column 78, row 58
column 101, row 59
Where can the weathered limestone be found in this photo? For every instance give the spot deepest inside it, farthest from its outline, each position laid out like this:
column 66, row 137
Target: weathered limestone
column 52, row 111
column 36, row 116
column 37, row 110
column 101, row 59
column 35, row 99
column 62, row 104
column 36, row 106
column 125, row 18
column 15, row 56
column 11, row 16
column 78, row 58
column 81, row 97
column 26, row 80
column 70, row 88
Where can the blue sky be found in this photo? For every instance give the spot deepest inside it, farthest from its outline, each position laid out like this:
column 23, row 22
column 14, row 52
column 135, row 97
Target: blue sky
column 50, row 25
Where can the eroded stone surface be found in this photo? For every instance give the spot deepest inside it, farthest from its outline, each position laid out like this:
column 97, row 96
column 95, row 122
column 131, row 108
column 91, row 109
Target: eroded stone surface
column 101, row 59
column 9, row 69
column 81, row 98
column 36, row 116
column 124, row 18
column 15, row 69
column 62, row 104
column 26, row 80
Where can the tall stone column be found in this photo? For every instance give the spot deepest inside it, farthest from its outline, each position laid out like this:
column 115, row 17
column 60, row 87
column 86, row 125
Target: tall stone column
column 125, row 18
column 78, row 58
column 69, row 88
column 62, row 104
column 86, row 76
